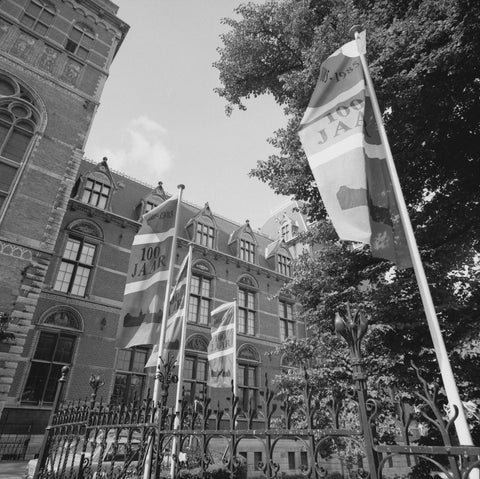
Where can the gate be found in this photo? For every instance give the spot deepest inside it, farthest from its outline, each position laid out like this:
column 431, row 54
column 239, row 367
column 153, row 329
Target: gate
column 92, row 440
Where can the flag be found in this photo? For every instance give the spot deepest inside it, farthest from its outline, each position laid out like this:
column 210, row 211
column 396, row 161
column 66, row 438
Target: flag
column 340, row 138
column 175, row 315
column 147, row 277
column 221, row 350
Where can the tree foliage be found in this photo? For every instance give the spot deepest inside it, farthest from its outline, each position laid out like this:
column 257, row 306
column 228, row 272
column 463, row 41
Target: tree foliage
column 424, row 61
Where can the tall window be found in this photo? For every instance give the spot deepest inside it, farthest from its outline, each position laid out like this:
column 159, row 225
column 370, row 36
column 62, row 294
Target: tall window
column 195, row 376
column 200, row 299
column 76, row 266
column 248, row 377
column 205, row 235
column 80, row 41
column 130, row 376
column 287, row 324
column 247, row 250
column 246, row 312
column 55, row 348
column 291, row 460
column 18, row 124
column 196, row 368
column 38, row 16
column 284, row 265
column 96, row 193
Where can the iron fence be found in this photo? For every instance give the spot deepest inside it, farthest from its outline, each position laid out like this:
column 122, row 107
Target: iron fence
column 86, row 440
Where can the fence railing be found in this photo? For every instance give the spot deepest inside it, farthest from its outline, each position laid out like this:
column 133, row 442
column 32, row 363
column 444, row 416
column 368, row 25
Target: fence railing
column 335, row 437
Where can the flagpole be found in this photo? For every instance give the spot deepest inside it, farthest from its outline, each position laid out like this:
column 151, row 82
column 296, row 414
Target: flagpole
column 446, row 372
column 173, row 254
column 181, row 364
column 234, row 375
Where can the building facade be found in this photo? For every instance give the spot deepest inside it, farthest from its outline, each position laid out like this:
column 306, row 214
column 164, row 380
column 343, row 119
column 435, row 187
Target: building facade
column 76, row 318
column 54, row 60
column 67, row 226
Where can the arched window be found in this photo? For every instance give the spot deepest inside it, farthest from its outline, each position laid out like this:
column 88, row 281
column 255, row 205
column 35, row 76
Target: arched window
column 80, row 41
column 196, row 367
column 19, row 120
column 59, row 329
column 247, row 305
column 248, row 377
column 201, row 290
column 38, row 16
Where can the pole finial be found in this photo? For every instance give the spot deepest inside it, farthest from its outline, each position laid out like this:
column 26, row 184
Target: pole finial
column 355, row 29
column 181, row 187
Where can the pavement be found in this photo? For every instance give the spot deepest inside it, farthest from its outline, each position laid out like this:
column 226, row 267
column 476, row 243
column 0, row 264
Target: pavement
column 12, row 470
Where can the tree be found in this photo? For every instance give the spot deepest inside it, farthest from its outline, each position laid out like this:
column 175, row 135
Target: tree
column 423, row 57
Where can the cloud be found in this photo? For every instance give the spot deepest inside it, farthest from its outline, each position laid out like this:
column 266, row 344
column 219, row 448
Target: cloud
column 140, row 153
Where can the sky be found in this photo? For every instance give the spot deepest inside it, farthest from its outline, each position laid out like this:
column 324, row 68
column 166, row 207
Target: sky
column 160, row 120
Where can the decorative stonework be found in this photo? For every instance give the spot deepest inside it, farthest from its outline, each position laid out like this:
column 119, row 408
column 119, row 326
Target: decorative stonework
column 48, row 59
column 22, row 46
column 9, row 249
column 197, row 343
column 71, row 72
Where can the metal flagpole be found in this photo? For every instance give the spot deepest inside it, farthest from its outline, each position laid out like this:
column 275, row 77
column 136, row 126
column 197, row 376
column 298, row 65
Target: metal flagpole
column 446, row 372
column 181, row 364
column 234, row 375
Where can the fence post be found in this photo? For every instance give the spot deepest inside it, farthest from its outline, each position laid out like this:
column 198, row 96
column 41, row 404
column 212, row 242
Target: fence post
column 95, row 382
column 42, row 455
column 353, row 330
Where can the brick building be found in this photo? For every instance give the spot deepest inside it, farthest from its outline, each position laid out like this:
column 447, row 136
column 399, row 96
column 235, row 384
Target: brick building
column 54, row 60
column 75, row 321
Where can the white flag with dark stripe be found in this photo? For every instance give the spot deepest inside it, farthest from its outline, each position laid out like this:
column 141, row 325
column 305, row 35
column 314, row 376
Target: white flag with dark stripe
column 341, row 141
column 221, row 350
column 147, row 277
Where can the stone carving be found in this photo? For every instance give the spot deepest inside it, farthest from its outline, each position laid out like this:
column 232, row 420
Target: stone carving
column 22, row 46
column 48, row 59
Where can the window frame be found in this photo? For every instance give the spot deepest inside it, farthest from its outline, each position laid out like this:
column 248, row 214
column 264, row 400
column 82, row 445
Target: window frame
column 73, row 46
column 53, row 322
column 15, row 128
column 91, row 191
column 37, row 20
column 205, row 234
column 83, row 239
column 247, row 249
column 247, row 316
column 286, row 320
column 197, row 385
column 202, row 275
column 130, row 373
column 284, row 264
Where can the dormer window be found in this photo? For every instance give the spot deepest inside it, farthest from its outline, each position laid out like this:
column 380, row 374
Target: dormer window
column 243, row 243
column 284, row 265
column 96, row 187
column 149, row 206
column 202, row 228
column 96, row 192
column 205, row 235
column 156, row 197
column 247, row 250
column 80, row 41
